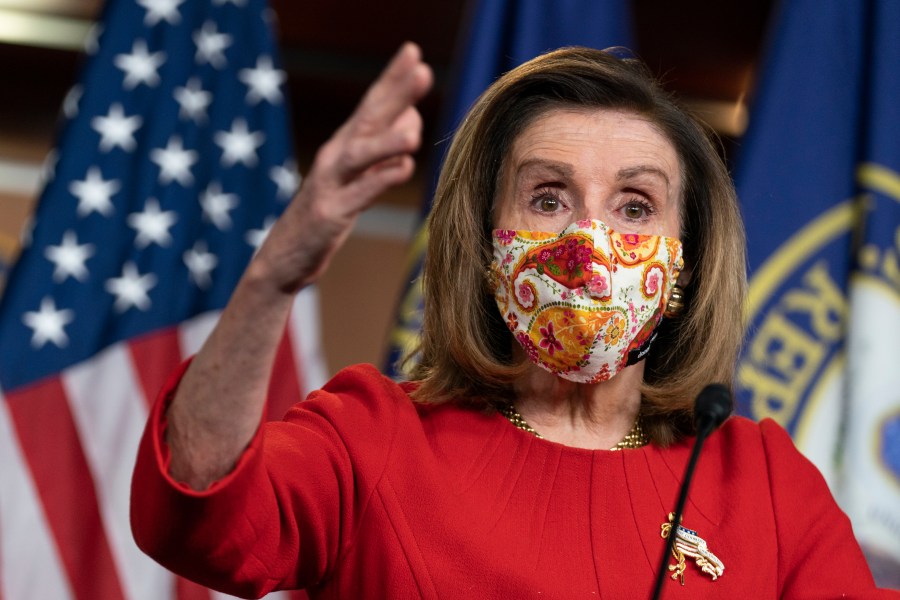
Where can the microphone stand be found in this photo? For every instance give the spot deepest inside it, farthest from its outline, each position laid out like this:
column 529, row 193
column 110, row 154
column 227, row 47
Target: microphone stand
column 711, row 409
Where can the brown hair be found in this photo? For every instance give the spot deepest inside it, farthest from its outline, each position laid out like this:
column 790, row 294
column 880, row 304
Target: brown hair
column 465, row 352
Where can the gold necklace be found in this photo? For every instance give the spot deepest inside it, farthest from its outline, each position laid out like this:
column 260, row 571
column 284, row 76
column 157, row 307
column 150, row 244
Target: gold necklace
column 636, row 438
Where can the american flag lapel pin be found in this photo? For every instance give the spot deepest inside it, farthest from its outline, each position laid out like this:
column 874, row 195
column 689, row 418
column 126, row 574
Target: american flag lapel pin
column 689, row 543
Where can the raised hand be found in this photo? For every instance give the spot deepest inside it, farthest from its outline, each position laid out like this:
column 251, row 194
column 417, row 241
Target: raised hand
column 371, row 152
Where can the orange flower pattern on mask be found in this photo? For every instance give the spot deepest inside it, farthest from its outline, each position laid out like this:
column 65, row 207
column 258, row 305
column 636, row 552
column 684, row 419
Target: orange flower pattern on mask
column 654, row 278
column 579, row 301
column 633, row 249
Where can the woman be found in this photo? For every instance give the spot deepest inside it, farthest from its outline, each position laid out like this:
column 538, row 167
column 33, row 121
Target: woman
column 573, row 199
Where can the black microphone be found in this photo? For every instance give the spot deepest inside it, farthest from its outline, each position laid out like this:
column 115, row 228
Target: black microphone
column 712, row 407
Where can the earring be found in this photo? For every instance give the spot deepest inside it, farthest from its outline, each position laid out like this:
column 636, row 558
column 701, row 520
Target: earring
column 675, row 305
column 492, row 278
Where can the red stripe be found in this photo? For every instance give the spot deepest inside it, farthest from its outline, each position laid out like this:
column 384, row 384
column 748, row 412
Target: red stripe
column 49, row 440
column 155, row 356
column 188, row 590
column 285, row 388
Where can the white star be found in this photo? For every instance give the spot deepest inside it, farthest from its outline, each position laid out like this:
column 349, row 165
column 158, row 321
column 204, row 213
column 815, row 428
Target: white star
column 92, row 39
column 158, row 10
column 216, row 205
column 193, row 100
column 70, row 102
column 256, row 237
column 48, row 324
column 239, row 144
column 286, row 178
column 174, row 162
column 263, row 81
column 131, row 288
column 69, row 258
column 211, row 45
column 116, row 129
column 140, row 66
column 94, row 193
column 200, row 263
column 152, row 225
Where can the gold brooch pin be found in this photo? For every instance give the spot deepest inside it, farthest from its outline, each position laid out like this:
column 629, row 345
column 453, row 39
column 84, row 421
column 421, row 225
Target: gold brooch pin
column 688, row 543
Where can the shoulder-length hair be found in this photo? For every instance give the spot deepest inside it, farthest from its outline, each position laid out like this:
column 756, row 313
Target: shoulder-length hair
column 465, row 352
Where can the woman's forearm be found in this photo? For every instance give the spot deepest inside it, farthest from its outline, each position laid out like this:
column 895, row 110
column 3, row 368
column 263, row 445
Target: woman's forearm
column 219, row 402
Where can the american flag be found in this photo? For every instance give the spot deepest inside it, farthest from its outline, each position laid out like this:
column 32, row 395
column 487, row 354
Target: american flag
column 173, row 161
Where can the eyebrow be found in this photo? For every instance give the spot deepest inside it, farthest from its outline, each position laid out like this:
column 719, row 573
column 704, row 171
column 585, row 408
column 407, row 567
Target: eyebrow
column 560, row 169
column 565, row 170
column 632, row 172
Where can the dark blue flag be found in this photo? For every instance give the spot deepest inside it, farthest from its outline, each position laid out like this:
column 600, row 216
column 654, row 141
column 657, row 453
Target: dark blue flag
column 173, row 160
column 819, row 181
column 502, row 34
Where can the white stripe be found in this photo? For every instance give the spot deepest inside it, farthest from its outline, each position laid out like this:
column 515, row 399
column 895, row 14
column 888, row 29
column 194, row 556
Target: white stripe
column 193, row 332
column 305, row 336
column 110, row 411
column 30, row 566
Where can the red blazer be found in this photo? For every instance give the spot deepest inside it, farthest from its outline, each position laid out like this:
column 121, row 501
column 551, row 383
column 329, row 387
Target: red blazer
column 360, row 493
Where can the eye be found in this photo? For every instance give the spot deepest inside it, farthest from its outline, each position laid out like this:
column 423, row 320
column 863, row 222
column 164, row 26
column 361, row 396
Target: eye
column 546, row 202
column 549, row 204
column 634, row 211
column 637, row 210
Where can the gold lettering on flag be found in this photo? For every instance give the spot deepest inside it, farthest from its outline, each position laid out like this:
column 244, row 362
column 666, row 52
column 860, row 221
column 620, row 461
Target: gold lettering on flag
column 784, row 356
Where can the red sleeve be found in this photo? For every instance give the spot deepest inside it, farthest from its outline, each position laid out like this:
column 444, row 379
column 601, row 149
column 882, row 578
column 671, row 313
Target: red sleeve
column 818, row 554
column 281, row 517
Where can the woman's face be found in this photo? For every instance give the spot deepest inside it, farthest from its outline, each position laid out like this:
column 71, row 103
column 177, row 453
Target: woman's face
column 574, row 164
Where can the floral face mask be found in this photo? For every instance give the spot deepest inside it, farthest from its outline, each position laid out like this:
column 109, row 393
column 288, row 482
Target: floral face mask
column 586, row 302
